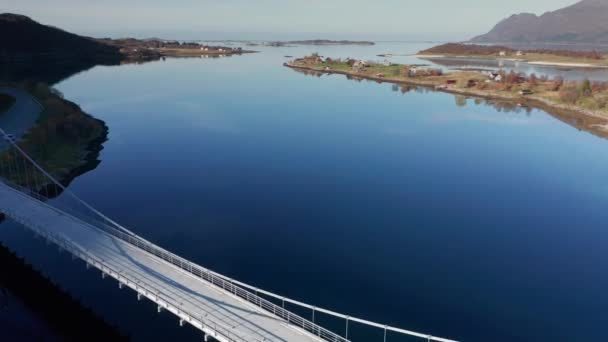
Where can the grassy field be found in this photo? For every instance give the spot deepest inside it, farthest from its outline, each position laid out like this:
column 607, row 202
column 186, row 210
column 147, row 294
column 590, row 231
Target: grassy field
column 6, row 102
column 393, row 70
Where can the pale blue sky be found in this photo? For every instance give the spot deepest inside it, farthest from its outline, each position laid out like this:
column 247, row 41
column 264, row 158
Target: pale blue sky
column 276, row 19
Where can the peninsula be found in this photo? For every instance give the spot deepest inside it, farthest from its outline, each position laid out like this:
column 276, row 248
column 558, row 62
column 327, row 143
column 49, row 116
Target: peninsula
column 583, row 104
column 27, row 41
column 62, row 138
column 154, row 48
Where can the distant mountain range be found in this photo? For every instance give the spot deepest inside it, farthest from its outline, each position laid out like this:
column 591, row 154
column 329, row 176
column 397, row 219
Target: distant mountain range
column 583, row 22
column 23, row 39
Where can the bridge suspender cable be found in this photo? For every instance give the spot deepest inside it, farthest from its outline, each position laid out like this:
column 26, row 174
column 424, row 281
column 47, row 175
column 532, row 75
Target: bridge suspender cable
column 186, row 265
column 63, row 188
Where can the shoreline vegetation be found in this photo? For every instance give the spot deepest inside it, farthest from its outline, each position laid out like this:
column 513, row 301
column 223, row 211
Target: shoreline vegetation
column 135, row 50
column 581, row 104
column 65, row 141
column 45, row 299
column 560, row 58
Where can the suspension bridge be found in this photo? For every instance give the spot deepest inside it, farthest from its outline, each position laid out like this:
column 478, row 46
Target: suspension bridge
column 224, row 309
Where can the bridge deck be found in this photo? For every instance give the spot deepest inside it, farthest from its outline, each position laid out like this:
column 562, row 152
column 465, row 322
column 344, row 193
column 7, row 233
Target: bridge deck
column 196, row 296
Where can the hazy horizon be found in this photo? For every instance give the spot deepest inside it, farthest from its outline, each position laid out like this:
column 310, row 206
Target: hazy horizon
column 388, row 20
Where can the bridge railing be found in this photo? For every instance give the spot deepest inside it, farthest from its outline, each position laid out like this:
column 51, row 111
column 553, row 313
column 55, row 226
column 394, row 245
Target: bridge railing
column 161, row 298
column 227, row 285
column 240, row 289
column 194, row 269
column 97, row 220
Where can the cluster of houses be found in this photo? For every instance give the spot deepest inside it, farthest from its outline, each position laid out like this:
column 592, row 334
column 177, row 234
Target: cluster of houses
column 220, row 49
column 505, row 53
column 494, row 76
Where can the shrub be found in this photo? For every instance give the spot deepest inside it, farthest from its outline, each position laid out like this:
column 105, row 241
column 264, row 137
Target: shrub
column 512, row 77
column 533, row 80
column 584, row 89
column 598, row 86
column 569, row 94
column 558, row 82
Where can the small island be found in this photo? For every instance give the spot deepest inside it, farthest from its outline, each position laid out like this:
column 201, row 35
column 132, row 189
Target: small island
column 565, row 58
column 331, row 42
column 319, row 42
column 583, row 104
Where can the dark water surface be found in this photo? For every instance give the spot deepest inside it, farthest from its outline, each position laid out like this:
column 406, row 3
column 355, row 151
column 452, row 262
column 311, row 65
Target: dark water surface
column 457, row 220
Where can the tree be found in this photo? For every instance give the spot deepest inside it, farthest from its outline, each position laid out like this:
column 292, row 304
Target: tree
column 558, row 82
column 461, row 101
column 533, row 80
column 584, row 89
column 569, row 93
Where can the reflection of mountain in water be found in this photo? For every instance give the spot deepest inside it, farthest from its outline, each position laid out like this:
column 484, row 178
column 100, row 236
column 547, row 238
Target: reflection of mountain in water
column 51, row 72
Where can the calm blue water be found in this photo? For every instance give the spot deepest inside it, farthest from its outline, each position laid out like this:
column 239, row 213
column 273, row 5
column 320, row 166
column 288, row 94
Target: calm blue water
column 459, row 221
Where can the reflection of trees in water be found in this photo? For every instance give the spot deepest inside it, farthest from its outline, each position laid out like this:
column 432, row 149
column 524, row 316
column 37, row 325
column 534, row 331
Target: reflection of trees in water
column 65, row 142
column 503, row 106
column 588, row 123
column 461, row 100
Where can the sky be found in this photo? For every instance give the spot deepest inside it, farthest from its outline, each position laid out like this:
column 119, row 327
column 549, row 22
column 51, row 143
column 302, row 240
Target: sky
column 438, row 20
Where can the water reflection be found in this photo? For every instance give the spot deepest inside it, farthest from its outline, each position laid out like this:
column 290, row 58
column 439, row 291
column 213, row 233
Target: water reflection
column 56, row 133
column 595, row 125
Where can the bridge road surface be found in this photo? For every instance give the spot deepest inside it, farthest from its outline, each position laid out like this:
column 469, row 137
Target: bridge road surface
column 197, row 297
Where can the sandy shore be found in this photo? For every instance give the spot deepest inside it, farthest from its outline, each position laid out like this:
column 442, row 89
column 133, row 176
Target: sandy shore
column 571, row 65
column 470, row 57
